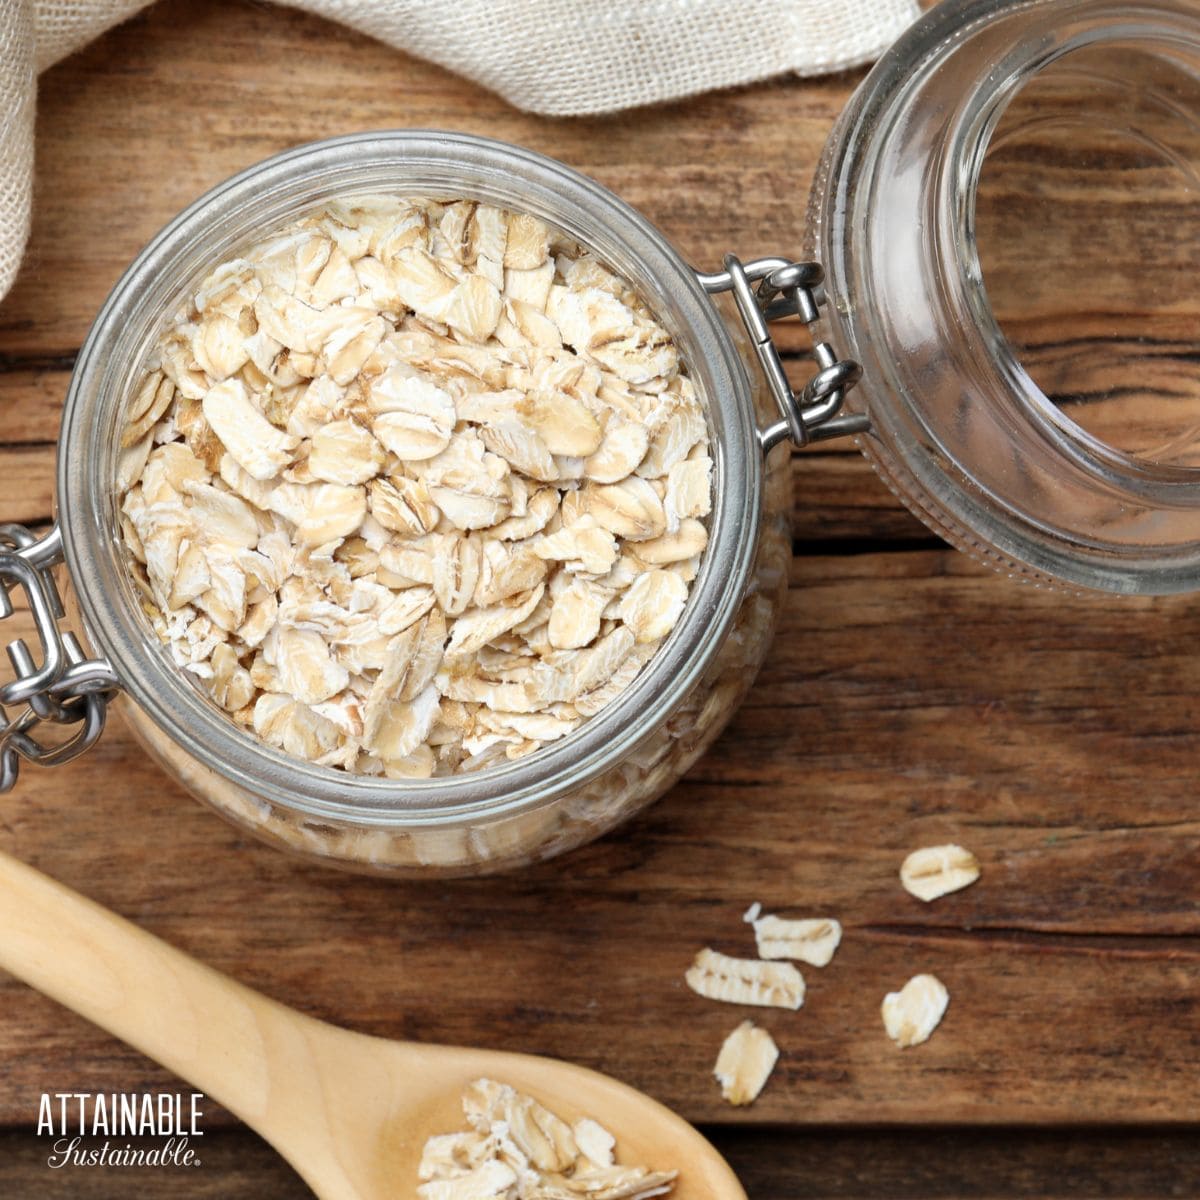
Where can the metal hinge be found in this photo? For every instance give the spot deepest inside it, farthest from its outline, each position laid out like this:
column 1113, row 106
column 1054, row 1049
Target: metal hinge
column 790, row 289
column 66, row 688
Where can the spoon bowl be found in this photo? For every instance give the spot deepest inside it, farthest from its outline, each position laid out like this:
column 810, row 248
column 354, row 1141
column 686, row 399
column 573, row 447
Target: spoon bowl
column 350, row 1112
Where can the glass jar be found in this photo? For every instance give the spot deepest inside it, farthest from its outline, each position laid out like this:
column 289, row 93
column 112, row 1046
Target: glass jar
column 570, row 791
column 948, row 413
column 1065, row 482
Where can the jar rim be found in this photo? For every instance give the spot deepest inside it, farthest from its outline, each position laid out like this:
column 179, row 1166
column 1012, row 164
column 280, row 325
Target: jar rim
column 402, row 162
column 960, row 430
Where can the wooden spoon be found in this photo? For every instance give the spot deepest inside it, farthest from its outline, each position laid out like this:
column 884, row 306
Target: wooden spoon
column 350, row 1112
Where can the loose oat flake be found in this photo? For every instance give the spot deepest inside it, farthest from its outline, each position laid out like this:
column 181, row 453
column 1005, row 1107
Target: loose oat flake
column 517, row 1150
column 745, row 1063
column 745, row 981
column 938, row 870
column 811, row 941
column 914, row 1012
column 413, row 487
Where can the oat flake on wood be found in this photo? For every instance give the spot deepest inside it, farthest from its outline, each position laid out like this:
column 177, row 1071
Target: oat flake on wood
column 915, row 1011
column 810, row 940
column 745, row 981
column 935, row 871
column 745, row 1063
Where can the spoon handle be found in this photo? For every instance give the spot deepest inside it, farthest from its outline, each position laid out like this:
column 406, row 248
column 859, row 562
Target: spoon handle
column 350, row 1112
column 214, row 1033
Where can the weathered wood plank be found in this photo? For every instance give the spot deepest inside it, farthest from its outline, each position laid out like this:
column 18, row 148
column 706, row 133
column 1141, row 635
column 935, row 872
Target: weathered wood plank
column 909, row 699
column 26, row 483
column 234, row 1165
column 138, row 125
column 31, row 400
column 963, row 1164
column 1079, row 1164
column 840, row 503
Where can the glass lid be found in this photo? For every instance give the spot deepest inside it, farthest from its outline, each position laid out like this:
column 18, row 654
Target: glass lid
column 1009, row 213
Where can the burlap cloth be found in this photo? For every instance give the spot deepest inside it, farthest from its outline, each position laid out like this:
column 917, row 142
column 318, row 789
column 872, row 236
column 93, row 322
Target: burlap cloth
column 558, row 57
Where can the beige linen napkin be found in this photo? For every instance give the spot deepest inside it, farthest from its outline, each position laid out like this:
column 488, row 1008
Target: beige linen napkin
column 557, row 57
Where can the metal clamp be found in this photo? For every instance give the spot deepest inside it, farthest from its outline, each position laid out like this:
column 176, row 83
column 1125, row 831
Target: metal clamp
column 787, row 289
column 65, row 688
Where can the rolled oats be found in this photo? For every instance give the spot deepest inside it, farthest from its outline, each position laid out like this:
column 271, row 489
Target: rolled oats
column 412, row 487
column 747, row 1058
column 811, row 941
column 630, row 509
column 938, row 870
column 652, row 604
column 745, row 981
column 344, row 452
column 686, row 541
column 517, row 1150
column 915, row 1011
column 252, row 441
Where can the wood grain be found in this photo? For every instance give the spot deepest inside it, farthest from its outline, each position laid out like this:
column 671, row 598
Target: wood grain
column 910, row 697
column 135, row 127
column 350, row 1112
column 824, row 1164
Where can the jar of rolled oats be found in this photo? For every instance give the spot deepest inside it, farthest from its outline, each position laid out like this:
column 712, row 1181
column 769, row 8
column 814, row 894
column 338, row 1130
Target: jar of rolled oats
column 464, row 576
column 429, row 513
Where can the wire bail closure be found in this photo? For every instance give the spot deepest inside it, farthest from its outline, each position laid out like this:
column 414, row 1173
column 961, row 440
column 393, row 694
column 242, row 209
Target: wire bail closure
column 66, row 688
column 788, row 289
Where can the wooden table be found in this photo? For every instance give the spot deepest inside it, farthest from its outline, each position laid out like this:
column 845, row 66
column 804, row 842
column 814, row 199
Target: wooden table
column 911, row 697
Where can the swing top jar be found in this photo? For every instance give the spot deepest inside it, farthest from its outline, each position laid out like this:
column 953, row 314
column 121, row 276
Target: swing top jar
column 946, row 410
column 615, row 761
